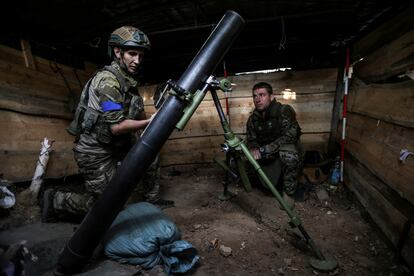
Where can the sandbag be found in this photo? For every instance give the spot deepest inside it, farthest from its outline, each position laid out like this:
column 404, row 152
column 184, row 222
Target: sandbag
column 143, row 235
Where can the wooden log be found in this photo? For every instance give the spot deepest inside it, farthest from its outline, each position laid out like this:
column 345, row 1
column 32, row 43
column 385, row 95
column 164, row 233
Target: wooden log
column 392, row 102
column 27, row 91
column 11, row 55
column 315, row 141
column 11, row 99
column 14, row 56
column 200, row 140
column 19, row 166
column 313, row 114
column 388, row 31
column 388, row 218
column 301, row 82
column 33, row 82
column 199, row 150
column 391, row 60
column 19, row 146
column 192, row 150
column 41, row 167
column 377, row 145
column 337, row 105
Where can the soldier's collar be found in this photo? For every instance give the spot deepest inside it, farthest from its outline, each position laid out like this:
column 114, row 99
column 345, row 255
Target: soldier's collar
column 130, row 79
column 265, row 113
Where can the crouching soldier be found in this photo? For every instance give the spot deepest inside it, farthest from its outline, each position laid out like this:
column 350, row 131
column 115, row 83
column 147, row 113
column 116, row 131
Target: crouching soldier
column 273, row 139
column 109, row 114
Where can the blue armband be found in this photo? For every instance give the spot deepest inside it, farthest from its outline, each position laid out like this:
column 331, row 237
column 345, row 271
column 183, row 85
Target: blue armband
column 111, row 106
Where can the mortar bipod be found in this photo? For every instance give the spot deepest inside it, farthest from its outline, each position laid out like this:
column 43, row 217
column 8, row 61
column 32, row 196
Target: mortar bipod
column 234, row 143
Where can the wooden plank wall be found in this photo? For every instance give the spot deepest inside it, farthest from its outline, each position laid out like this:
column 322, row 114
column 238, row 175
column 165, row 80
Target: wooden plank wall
column 380, row 124
column 34, row 103
column 200, row 141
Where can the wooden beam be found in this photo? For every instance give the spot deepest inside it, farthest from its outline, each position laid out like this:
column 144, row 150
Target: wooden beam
column 201, row 138
column 12, row 99
column 301, row 82
column 20, row 145
column 377, row 145
column 14, row 57
column 385, row 213
column 385, row 33
column 333, row 146
column 202, row 149
column 27, row 54
column 390, row 61
column 389, row 102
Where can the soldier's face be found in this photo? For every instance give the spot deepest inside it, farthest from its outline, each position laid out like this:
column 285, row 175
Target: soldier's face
column 130, row 58
column 261, row 99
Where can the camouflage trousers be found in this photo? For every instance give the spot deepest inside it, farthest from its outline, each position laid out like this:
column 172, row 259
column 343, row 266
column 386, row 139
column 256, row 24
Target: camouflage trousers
column 288, row 164
column 97, row 171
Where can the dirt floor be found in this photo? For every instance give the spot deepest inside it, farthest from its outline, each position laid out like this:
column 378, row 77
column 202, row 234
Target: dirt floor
column 256, row 230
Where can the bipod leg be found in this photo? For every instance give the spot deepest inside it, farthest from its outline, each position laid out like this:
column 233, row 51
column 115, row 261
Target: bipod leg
column 321, row 262
column 226, row 195
column 242, row 172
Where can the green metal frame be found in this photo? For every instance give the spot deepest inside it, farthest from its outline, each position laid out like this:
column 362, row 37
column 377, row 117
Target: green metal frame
column 235, row 146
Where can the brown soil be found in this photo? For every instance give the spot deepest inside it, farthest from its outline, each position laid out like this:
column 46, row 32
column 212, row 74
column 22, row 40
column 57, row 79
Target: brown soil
column 256, row 230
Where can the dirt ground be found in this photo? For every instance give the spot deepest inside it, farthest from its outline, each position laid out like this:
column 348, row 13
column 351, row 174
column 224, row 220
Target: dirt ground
column 256, row 230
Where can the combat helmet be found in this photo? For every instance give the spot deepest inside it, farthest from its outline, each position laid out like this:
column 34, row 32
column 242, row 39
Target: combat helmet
column 128, row 36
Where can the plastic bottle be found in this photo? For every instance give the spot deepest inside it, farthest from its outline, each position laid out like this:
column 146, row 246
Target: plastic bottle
column 336, row 172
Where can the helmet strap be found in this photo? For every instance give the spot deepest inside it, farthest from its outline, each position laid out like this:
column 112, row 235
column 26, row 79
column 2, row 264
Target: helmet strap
column 121, row 61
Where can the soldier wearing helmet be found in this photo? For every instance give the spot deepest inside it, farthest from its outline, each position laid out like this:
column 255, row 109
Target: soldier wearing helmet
column 128, row 45
column 107, row 119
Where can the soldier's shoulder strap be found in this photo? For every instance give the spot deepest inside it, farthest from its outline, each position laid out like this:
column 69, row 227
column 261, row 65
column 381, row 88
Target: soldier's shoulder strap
column 118, row 76
column 85, row 92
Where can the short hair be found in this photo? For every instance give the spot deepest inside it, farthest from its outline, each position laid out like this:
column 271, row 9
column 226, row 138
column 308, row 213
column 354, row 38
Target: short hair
column 264, row 85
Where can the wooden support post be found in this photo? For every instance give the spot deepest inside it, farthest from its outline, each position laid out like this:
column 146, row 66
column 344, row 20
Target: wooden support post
column 27, row 54
column 333, row 148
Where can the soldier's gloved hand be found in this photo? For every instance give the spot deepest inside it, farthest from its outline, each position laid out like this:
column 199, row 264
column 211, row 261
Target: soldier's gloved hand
column 256, row 153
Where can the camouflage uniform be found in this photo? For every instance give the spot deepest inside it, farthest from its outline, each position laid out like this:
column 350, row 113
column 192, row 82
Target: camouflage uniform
column 111, row 96
column 277, row 134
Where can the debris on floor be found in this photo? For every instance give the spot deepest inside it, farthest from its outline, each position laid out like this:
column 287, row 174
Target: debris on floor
column 249, row 229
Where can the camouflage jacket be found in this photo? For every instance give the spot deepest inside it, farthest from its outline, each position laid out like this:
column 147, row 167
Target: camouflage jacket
column 274, row 127
column 113, row 100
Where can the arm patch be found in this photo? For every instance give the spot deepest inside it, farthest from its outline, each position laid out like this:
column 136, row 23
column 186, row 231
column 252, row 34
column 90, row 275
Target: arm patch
column 111, row 106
